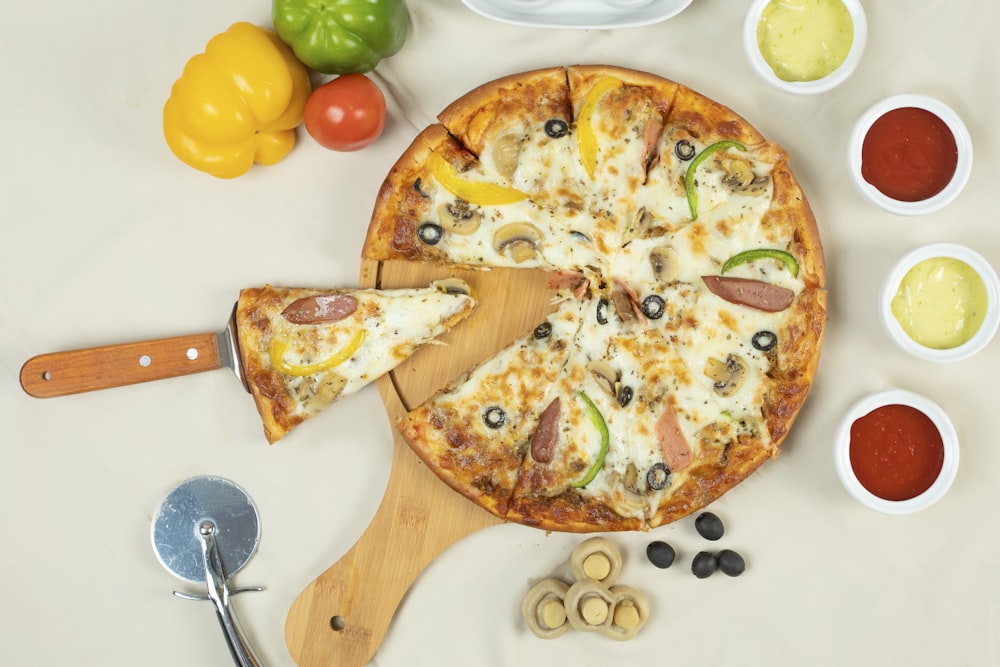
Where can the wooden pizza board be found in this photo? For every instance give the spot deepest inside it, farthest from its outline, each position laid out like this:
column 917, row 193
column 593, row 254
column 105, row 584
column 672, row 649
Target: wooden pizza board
column 342, row 616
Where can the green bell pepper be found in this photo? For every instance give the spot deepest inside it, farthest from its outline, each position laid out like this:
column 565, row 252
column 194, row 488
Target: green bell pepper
column 341, row 36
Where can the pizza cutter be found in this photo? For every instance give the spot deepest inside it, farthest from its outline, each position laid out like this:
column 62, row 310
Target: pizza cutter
column 204, row 531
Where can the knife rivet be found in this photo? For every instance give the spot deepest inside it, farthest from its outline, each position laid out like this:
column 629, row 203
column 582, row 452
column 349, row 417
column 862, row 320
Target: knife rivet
column 145, row 361
column 192, row 353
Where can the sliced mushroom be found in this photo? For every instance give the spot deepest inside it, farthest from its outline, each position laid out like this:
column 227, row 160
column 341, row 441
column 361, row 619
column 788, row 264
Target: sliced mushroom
column 645, row 226
column 506, row 151
column 631, row 480
column 728, row 375
column 453, row 286
column 459, row 217
column 520, row 239
column 758, row 186
column 738, row 173
column 665, row 262
column 607, row 377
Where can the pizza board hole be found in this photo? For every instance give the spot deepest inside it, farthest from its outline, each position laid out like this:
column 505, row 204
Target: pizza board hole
column 338, row 623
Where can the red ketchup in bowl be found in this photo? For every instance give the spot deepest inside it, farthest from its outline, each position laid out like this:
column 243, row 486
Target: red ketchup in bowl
column 896, row 452
column 909, row 154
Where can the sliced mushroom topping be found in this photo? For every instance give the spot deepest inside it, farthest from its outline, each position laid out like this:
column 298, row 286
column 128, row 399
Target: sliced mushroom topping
column 453, row 286
column 506, row 151
column 631, row 479
column 665, row 262
column 520, row 239
column 459, row 217
column 607, row 377
column 728, row 375
column 758, row 186
column 739, row 175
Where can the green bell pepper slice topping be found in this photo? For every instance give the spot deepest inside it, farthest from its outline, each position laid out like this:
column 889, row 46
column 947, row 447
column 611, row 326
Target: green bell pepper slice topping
column 341, row 36
column 597, row 419
column 689, row 188
column 787, row 258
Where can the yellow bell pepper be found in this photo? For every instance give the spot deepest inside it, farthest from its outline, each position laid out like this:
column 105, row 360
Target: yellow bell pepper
column 585, row 135
column 474, row 192
column 279, row 347
column 237, row 103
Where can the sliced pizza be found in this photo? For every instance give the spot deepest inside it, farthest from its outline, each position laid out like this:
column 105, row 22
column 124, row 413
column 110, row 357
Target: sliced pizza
column 302, row 349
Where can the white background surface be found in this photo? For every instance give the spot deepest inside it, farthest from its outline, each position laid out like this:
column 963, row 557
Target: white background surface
column 107, row 238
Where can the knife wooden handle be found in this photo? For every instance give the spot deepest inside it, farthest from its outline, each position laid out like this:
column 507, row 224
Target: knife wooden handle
column 78, row 371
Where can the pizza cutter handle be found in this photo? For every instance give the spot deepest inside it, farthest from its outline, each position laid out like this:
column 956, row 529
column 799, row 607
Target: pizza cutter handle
column 78, row 371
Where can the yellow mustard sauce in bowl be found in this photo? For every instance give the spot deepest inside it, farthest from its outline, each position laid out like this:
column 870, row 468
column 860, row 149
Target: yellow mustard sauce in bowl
column 941, row 303
column 805, row 40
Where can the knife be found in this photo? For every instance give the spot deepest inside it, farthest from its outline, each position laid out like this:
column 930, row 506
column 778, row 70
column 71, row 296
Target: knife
column 89, row 369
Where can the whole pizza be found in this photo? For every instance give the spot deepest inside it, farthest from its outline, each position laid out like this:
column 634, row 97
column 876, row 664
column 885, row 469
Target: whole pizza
column 687, row 284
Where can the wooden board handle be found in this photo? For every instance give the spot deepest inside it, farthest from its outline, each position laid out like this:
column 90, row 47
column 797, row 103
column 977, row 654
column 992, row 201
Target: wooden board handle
column 341, row 617
column 77, row 371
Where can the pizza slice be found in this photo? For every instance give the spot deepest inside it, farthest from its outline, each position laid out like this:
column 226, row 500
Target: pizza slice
column 474, row 433
column 303, row 349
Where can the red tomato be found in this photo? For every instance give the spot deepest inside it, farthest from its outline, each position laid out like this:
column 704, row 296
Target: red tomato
column 346, row 114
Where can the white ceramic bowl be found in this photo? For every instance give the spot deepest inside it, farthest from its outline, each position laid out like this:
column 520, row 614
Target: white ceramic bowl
column 987, row 329
column 830, row 81
column 949, row 439
column 963, row 143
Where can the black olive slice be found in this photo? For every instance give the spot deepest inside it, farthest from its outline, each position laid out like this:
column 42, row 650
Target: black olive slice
column 764, row 340
column 684, row 149
column 653, row 306
column 494, row 417
column 625, row 395
column 430, row 233
column 543, row 330
column 556, row 128
column 657, row 476
column 417, row 185
column 602, row 311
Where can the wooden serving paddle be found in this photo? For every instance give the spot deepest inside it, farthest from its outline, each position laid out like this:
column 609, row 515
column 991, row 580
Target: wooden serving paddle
column 343, row 615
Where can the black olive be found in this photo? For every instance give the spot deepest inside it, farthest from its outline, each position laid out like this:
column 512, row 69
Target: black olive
column 660, row 554
column 602, row 311
column 556, row 128
column 657, row 476
column 731, row 563
column 580, row 236
column 543, row 330
column 625, row 395
column 709, row 526
column 704, row 564
column 684, row 149
column 430, row 233
column 764, row 340
column 418, row 188
column 494, row 417
column 653, row 306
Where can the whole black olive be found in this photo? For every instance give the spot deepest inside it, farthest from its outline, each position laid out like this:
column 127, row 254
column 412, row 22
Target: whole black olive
column 704, row 564
column 731, row 563
column 543, row 330
column 556, row 128
column 709, row 526
column 430, row 233
column 660, row 554
column 653, row 306
column 764, row 340
column 494, row 417
column 657, row 476
column 602, row 311
column 684, row 149
column 625, row 395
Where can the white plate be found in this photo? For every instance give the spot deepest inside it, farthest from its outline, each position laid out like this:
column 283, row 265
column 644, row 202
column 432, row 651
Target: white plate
column 577, row 14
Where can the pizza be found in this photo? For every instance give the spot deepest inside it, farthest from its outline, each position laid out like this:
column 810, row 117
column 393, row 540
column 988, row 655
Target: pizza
column 687, row 281
column 303, row 349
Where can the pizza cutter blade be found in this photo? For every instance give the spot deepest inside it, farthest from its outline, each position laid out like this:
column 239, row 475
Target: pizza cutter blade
column 204, row 531
column 121, row 364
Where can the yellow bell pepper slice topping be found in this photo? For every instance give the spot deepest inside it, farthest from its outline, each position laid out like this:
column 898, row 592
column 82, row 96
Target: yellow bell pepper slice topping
column 586, row 138
column 279, row 347
column 474, row 192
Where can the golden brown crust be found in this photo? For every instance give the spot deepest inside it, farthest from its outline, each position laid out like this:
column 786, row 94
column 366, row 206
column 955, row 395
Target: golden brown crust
column 520, row 99
column 495, row 472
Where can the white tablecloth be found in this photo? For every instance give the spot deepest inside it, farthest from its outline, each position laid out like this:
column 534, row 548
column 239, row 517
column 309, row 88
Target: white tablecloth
column 107, row 237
